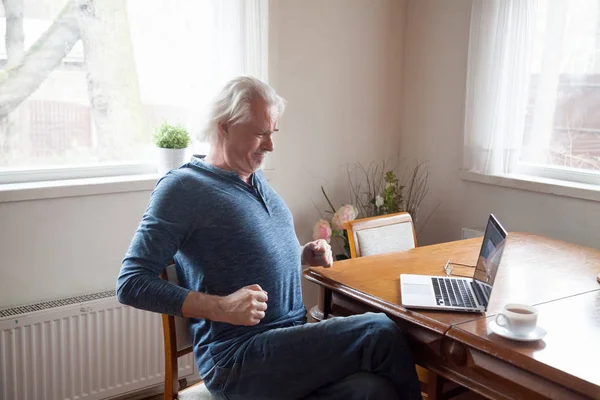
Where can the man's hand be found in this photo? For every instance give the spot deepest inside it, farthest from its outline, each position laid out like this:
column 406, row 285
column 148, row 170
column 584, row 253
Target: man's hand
column 244, row 307
column 317, row 253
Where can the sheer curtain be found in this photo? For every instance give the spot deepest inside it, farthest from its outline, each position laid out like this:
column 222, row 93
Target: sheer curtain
column 498, row 73
column 241, row 39
column 239, row 47
column 185, row 54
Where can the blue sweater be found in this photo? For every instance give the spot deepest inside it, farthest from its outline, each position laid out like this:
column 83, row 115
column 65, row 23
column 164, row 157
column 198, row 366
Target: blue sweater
column 223, row 235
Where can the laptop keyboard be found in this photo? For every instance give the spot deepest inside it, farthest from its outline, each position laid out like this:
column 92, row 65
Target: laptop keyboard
column 453, row 292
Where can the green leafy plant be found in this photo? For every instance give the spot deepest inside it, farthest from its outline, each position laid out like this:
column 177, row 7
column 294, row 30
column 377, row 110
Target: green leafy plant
column 172, row 137
column 391, row 199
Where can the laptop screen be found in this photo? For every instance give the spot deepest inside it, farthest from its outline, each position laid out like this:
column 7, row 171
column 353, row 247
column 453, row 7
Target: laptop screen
column 494, row 241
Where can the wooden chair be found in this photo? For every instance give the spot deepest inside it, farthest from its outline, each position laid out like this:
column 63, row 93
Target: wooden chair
column 382, row 234
column 178, row 342
column 385, row 234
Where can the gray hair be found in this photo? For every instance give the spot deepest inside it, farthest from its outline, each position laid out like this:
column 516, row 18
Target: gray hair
column 232, row 104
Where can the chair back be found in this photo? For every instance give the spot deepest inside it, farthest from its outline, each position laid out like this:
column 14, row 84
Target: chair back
column 177, row 341
column 183, row 336
column 381, row 234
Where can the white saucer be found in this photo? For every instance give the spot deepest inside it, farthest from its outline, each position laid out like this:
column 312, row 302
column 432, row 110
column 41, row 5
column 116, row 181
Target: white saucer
column 536, row 334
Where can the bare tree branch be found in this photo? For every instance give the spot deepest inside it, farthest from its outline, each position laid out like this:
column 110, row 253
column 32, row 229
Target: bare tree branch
column 15, row 36
column 19, row 82
column 113, row 84
column 15, row 51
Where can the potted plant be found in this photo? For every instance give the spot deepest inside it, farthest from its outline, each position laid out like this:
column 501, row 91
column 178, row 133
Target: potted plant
column 172, row 142
column 375, row 190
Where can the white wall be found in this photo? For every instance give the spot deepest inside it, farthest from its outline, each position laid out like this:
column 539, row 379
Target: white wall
column 60, row 247
column 434, row 76
column 337, row 63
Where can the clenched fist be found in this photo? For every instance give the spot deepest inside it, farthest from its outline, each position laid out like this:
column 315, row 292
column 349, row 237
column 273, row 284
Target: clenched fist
column 317, row 253
column 244, row 307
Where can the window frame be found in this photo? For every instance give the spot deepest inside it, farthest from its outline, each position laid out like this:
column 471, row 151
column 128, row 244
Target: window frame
column 254, row 31
column 558, row 173
column 535, row 184
column 71, row 172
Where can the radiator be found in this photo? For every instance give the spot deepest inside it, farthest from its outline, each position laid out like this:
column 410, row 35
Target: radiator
column 84, row 347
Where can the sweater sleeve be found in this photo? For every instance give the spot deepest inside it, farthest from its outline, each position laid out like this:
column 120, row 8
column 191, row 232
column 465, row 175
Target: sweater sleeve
column 167, row 222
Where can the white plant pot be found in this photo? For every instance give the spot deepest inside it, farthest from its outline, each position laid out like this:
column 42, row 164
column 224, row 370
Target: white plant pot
column 169, row 159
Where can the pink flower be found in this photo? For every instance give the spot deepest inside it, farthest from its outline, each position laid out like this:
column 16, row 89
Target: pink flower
column 322, row 230
column 344, row 214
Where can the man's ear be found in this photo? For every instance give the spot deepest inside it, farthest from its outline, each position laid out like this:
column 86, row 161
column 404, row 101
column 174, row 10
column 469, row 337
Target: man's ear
column 223, row 128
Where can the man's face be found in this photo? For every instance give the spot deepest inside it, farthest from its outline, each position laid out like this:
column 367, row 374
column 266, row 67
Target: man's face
column 246, row 144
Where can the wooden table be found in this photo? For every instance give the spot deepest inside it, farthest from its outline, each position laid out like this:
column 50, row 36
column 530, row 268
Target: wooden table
column 557, row 277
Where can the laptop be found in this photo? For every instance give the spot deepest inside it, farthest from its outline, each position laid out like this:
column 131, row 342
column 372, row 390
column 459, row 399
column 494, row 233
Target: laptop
column 456, row 293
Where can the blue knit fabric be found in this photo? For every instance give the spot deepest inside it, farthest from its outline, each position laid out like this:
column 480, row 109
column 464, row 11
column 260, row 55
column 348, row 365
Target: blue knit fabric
column 223, row 234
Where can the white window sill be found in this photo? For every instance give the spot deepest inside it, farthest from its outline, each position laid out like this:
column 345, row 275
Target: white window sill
column 536, row 184
column 76, row 187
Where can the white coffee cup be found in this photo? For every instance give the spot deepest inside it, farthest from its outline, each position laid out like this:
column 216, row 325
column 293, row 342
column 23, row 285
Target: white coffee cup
column 519, row 319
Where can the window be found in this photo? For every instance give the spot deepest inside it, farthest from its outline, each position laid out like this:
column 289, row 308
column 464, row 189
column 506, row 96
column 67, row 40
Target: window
column 534, row 68
column 84, row 84
column 562, row 134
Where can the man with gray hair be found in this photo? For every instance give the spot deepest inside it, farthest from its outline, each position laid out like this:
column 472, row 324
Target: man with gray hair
column 239, row 265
